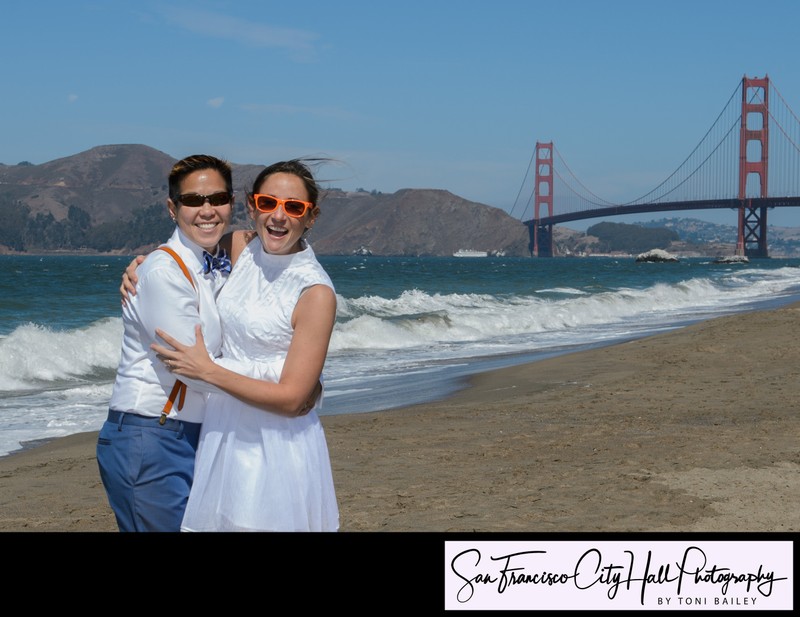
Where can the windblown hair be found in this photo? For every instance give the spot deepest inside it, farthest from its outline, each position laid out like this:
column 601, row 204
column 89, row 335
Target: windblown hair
column 296, row 167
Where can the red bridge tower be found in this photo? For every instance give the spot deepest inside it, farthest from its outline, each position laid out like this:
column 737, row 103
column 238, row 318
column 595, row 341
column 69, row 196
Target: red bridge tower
column 753, row 158
column 543, row 194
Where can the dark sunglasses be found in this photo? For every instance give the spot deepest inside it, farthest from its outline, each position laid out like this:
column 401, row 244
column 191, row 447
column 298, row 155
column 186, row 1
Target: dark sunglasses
column 195, row 200
column 269, row 203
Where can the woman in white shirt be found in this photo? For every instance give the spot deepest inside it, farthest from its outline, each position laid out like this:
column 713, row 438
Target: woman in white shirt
column 146, row 447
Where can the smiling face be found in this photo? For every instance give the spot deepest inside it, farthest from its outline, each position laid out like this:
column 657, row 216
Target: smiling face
column 204, row 225
column 280, row 234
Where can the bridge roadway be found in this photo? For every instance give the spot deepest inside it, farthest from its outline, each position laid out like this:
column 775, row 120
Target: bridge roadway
column 733, row 204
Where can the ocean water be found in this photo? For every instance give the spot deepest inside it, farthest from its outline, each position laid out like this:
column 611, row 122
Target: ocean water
column 409, row 330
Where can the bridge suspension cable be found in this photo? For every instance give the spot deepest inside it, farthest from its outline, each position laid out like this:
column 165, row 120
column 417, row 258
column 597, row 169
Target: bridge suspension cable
column 522, row 188
column 709, row 172
column 786, row 152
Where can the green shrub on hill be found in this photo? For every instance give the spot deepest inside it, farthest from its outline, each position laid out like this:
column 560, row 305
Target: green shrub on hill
column 621, row 237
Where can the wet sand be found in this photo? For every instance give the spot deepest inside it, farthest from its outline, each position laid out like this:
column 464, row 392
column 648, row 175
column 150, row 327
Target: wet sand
column 692, row 430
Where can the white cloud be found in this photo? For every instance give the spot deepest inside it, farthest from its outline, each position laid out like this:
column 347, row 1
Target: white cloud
column 286, row 110
column 216, row 102
column 299, row 43
column 71, row 98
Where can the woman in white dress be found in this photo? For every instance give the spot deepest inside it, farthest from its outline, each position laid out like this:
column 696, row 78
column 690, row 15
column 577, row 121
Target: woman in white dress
column 260, row 466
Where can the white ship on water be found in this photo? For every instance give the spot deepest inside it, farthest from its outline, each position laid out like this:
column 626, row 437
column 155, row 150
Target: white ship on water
column 470, row 253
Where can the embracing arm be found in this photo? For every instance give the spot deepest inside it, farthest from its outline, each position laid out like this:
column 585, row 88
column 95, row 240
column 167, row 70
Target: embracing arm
column 235, row 241
column 233, row 244
column 313, row 321
column 129, row 279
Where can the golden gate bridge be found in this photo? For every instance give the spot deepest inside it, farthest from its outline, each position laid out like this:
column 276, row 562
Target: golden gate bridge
column 748, row 161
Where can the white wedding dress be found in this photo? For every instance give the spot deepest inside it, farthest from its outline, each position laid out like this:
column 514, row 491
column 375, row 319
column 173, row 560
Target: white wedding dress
column 256, row 470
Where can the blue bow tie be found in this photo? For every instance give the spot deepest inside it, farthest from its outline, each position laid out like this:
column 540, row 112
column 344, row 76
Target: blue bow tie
column 216, row 263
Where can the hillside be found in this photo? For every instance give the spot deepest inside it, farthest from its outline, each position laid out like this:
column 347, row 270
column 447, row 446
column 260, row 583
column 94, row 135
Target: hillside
column 414, row 222
column 112, row 199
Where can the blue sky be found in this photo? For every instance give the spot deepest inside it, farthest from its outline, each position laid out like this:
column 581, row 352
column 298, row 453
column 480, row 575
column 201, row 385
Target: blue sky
column 439, row 94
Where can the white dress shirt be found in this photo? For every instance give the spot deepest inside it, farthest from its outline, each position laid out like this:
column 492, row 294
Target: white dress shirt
column 165, row 299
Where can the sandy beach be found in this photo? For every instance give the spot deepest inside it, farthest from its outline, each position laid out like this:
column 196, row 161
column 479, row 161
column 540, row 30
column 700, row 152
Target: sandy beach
column 692, row 430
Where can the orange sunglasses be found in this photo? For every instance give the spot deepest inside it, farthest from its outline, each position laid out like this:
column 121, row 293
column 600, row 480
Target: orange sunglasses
column 295, row 208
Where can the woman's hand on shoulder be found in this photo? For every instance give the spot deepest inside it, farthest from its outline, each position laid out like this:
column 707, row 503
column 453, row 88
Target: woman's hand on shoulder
column 129, row 279
column 186, row 360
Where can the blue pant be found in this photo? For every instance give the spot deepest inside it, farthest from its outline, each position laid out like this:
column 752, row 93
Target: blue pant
column 147, row 469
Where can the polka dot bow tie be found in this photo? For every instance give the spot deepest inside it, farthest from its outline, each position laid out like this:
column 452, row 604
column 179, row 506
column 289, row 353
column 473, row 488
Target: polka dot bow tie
column 221, row 262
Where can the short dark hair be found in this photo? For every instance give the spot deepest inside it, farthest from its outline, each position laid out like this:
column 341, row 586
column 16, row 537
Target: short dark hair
column 197, row 162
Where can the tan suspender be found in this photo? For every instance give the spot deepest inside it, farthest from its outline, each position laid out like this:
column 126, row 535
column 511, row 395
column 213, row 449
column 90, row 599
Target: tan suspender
column 179, row 389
